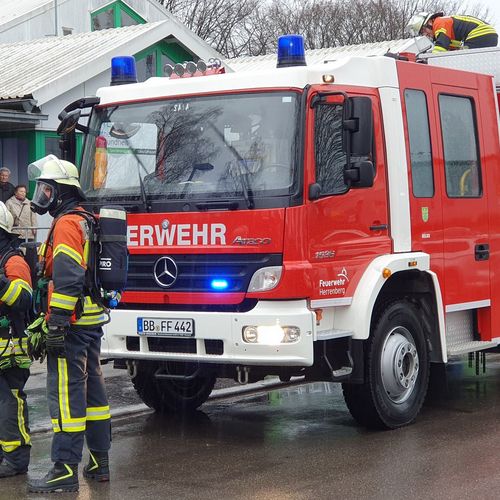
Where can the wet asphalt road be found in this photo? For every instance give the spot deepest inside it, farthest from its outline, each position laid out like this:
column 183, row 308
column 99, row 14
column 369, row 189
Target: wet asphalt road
column 299, row 443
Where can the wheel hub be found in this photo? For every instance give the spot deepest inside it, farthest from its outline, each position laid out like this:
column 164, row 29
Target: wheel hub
column 399, row 364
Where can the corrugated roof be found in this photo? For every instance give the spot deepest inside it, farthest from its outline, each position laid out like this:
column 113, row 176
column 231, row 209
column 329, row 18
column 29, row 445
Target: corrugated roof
column 318, row 56
column 47, row 67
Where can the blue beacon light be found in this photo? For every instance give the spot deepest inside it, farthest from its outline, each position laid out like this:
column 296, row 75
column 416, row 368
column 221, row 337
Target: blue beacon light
column 219, row 284
column 291, row 51
column 123, row 70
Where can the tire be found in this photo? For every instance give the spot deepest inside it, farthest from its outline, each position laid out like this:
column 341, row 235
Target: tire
column 397, row 366
column 171, row 396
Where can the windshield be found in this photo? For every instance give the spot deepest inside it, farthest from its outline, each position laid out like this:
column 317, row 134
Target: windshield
column 204, row 148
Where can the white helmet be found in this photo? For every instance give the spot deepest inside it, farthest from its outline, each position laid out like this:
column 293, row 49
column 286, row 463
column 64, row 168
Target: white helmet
column 6, row 219
column 48, row 172
column 418, row 21
column 52, row 168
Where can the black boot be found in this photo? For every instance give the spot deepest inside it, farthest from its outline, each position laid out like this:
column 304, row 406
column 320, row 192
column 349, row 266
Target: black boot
column 7, row 470
column 62, row 477
column 98, row 466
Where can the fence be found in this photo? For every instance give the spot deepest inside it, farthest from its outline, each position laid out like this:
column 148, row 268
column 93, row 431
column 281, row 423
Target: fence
column 37, row 229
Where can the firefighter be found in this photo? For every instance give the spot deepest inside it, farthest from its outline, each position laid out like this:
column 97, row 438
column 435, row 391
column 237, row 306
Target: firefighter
column 15, row 302
column 77, row 398
column 453, row 32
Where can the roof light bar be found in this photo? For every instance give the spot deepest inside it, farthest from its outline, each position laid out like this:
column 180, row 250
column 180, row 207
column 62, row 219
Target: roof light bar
column 190, row 68
column 291, row 51
column 123, row 70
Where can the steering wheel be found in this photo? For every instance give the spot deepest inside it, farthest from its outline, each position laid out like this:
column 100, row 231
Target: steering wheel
column 277, row 166
column 270, row 172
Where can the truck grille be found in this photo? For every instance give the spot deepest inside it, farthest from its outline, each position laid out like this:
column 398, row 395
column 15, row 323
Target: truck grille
column 196, row 271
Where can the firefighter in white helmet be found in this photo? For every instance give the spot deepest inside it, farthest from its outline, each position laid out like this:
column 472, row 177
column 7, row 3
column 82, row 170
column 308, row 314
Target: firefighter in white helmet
column 453, row 32
column 78, row 403
column 15, row 303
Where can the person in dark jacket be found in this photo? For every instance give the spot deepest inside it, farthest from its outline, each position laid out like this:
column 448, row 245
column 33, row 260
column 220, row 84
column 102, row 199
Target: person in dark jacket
column 15, row 302
column 453, row 32
column 6, row 188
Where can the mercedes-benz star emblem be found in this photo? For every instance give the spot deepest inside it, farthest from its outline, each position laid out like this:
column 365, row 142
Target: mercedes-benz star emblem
column 165, row 272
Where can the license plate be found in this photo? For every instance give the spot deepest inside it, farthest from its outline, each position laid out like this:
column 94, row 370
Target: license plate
column 173, row 327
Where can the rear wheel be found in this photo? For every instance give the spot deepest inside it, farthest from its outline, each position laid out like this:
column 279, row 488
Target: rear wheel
column 396, row 370
column 167, row 395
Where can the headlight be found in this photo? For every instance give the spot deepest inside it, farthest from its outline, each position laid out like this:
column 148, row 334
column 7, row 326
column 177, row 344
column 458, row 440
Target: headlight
column 265, row 279
column 270, row 335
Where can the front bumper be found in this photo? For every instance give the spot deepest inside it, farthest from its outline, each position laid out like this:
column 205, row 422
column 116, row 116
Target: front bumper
column 121, row 339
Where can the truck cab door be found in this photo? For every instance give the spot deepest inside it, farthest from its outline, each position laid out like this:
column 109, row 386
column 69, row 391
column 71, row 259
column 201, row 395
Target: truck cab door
column 347, row 227
column 466, row 244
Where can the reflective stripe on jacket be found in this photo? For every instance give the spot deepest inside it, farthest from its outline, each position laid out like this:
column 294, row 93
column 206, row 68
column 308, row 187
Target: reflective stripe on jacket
column 16, row 294
column 15, row 297
column 66, row 257
column 16, row 350
column 451, row 32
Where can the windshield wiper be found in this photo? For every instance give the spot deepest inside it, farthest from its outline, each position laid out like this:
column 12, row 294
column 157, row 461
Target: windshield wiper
column 144, row 196
column 245, row 187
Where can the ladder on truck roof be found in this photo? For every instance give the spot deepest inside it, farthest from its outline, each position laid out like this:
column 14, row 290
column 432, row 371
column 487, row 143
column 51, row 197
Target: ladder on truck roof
column 477, row 60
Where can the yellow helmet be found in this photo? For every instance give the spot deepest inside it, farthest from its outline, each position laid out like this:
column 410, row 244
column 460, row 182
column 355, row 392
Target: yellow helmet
column 6, row 219
column 418, row 21
column 52, row 168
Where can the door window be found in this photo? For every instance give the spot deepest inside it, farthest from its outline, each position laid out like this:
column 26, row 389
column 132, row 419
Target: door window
column 461, row 159
column 420, row 144
column 330, row 156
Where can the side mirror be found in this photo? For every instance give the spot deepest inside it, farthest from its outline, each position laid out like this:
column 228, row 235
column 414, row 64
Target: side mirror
column 69, row 117
column 69, row 122
column 358, row 125
column 359, row 174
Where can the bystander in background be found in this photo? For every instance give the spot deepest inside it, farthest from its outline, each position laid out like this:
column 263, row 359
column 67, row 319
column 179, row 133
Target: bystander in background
column 24, row 218
column 6, row 188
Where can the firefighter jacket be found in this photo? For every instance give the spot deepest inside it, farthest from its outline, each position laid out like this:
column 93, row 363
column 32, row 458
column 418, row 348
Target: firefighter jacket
column 15, row 302
column 66, row 254
column 450, row 32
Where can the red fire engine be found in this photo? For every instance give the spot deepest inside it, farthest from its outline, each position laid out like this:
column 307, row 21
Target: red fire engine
column 336, row 222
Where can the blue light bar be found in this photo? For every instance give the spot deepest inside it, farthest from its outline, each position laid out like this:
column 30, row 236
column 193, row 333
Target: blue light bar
column 219, row 284
column 123, row 70
column 291, row 51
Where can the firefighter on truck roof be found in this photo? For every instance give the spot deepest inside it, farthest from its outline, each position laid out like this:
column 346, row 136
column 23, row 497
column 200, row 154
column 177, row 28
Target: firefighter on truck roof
column 15, row 302
column 453, row 32
column 73, row 322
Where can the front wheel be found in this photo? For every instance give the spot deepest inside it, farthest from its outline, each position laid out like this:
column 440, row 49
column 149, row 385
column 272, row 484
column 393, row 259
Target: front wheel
column 397, row 368
column 172, row 395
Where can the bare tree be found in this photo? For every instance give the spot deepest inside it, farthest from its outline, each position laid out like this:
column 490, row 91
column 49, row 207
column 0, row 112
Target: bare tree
column 249, row 27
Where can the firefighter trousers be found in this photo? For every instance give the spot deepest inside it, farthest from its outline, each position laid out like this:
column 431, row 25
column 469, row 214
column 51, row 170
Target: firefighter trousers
column 14, row 424
column 479, row 42
column 78, row 403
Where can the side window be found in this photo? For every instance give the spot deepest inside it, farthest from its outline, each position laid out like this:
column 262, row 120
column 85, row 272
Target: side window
column 329, row 154
column 461, row 159
column 103, row 20
column 146, row 67
column 127, row 20
column 420, row 144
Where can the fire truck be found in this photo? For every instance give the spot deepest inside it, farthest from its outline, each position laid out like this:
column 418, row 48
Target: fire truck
column 336, row 222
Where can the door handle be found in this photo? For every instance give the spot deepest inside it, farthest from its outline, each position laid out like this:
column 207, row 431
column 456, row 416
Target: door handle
column 378, row 227
column 482, row 251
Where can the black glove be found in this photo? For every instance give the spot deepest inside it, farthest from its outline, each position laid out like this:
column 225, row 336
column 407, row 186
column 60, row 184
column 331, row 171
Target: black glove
column 55, row 341
column 58, row 327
